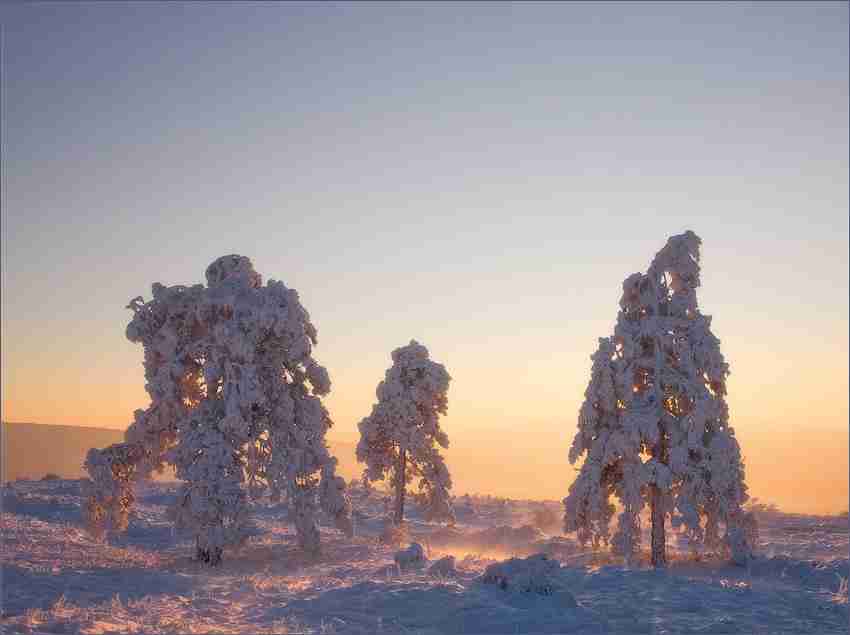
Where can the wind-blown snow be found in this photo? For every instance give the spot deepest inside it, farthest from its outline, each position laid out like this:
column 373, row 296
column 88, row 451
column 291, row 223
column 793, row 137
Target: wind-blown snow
column 57, row 578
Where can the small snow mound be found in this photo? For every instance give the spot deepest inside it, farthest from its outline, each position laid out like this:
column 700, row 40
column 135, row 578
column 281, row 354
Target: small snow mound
column 411, row 558
column 444, row 567
column 535, row 574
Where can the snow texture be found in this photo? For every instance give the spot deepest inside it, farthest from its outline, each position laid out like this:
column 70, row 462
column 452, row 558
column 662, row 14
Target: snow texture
column 57, row 578
column 535, row 574
column 400, row 439
column 235, row 407
column 655, row 421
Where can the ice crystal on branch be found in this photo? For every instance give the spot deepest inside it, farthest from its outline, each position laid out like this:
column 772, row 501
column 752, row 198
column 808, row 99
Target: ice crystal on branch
column 654, row 426
column 235, row 407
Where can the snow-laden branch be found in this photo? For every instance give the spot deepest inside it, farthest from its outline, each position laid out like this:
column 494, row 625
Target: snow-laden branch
column 235, row 407
column 401, row 438
column 654, row 426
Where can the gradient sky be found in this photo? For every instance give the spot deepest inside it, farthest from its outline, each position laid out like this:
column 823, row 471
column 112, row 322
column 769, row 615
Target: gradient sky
column 480, row 177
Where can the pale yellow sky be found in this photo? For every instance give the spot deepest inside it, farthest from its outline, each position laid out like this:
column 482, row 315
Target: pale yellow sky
column 511, row 427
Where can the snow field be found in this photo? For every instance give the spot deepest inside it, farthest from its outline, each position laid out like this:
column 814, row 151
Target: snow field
column 57, row 579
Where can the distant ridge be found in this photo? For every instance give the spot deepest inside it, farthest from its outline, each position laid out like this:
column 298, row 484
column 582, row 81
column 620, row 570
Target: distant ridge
column 31, row 450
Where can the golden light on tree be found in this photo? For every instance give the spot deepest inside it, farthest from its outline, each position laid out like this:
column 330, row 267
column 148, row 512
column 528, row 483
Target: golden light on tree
column 654, row 426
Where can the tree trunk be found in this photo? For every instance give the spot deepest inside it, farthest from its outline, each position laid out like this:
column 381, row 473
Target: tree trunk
column 400, row 487
column 656, row 500
column 659, row 515
column 211, row 556
column 659, row 539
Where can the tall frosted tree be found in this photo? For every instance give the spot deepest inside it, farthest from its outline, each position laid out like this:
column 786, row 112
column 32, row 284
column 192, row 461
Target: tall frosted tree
column 235, row 407
column 400, row 439
column 654, row 426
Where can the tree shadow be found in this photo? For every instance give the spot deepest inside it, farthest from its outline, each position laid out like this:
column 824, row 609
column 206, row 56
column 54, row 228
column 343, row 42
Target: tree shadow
column 409, row 605
column 45, row 508
column 25, row 588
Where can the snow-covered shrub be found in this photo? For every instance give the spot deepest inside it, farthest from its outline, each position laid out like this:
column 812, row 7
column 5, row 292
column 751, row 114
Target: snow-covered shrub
column 654, row 426
column 109, row 495
column 536, row 574
column 400, row 439
column 443, row 568
column 411, row 558
column 235, row 407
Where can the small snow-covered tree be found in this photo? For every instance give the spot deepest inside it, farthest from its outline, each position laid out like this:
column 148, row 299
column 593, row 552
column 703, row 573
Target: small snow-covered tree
column 654, row 426
column 401, row 438
column 235, row 406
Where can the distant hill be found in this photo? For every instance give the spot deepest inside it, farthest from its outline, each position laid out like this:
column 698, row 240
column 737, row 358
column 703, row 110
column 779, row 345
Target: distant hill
column 31, row 450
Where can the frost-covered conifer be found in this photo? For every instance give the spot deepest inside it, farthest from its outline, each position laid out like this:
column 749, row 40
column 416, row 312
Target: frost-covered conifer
column 235, row 407
column 654, row 426
column 402, row 436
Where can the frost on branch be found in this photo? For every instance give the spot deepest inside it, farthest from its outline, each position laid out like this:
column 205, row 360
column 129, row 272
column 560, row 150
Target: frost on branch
column 235, row 407
column 654, row 426
column 401, row 438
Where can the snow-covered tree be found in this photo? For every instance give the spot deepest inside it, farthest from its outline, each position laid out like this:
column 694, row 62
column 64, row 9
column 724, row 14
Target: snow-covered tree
column 401, row 438
column 235, row 407
column 654, row 426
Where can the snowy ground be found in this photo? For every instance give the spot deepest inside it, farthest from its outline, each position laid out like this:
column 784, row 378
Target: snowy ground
column 56, row 579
